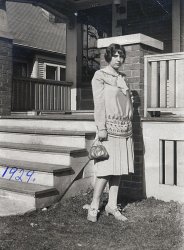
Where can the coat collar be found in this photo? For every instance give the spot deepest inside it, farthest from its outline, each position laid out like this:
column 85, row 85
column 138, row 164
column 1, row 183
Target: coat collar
column 110, row 71
column 120, row 78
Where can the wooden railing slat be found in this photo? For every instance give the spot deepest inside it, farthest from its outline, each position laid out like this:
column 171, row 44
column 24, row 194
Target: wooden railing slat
column 180, row 83
column 62, row 99
column 163, row 84
column 48, row 97
column 154, row 84
column 36, row 96
column 22, row 95
column 171, row 88
column 59, row 97
column 69, row 99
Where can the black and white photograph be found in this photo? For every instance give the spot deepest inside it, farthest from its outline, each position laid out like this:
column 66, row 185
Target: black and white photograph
column 92, row 124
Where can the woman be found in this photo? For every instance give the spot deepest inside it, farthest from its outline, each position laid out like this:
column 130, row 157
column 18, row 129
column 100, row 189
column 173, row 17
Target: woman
column 113, row 114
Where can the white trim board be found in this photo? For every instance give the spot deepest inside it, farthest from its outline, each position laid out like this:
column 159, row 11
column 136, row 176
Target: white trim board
column 131, row 39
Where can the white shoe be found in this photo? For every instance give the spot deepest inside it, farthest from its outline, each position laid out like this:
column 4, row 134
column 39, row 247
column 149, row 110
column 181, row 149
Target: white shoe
column 117, row 214
column 92, row 214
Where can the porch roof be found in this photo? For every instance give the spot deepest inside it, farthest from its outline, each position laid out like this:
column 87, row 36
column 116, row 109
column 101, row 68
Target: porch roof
column 30, row 27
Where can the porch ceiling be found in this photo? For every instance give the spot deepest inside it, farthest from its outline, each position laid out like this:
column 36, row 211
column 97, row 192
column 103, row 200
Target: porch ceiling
column 66, row 7
column 89, row 11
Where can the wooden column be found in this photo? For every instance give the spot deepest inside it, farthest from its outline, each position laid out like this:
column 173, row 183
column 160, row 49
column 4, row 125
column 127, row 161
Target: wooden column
column 73, row 58
column 119, row 16
column 5, row 62
column 176, row 25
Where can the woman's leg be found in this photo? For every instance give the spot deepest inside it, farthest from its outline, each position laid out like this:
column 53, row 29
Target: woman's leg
column 100, row 184
column 111, row 207
column 113, row 191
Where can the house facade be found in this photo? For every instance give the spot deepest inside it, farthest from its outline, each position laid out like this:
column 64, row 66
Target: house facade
column 39, row 51
column 152, row 33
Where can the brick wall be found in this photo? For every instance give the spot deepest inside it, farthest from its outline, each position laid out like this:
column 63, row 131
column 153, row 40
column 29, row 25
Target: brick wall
column 132, row 186
column 5, row 75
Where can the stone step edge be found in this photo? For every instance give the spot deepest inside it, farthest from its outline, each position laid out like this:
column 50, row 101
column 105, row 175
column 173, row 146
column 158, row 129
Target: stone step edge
column 69, row 117
column 35, row 190
column 42, row 148
column 36, row 166
column 25, row 130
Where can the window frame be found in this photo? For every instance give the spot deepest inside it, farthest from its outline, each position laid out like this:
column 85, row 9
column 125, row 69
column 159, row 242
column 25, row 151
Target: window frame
column 57, row 66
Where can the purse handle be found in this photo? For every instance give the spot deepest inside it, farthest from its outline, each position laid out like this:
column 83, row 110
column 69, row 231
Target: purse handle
column 96, row 142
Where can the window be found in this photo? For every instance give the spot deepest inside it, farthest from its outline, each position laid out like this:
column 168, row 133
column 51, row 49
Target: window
column 62, row 74
column 51, row 72
column 55, row 72
column 20, row 69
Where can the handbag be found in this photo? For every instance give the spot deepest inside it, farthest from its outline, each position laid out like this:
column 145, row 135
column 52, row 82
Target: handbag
column 98, row 152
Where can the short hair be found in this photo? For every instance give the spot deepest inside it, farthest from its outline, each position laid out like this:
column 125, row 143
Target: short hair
column 111, row 51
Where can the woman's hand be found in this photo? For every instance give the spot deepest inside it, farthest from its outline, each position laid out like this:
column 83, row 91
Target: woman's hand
column 130, row 113
column 131, row 100
column 102, row 135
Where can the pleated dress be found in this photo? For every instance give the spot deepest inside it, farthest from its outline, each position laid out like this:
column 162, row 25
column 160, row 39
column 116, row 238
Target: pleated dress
column 112, row 101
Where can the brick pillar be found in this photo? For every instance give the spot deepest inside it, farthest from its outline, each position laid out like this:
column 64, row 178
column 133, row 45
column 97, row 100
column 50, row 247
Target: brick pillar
column 136, row 46
column 5, row 62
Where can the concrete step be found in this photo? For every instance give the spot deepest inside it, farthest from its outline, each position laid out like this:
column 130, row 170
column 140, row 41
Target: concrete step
column 40, row 153
column 32, row 172
column 65, row 138
column 45, row 131
column 10, row 207
column 87, row 115
column 35, row 196
column 73, row 123
column 41, row 158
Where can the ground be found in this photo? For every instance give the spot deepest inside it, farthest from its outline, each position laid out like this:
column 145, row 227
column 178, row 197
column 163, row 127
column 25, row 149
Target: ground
column 152, row 224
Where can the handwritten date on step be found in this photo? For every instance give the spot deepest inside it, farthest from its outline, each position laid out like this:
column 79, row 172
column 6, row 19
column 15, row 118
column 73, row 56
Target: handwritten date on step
column 18, row 174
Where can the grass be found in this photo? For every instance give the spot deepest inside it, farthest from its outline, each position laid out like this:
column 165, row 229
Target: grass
column 152, row 224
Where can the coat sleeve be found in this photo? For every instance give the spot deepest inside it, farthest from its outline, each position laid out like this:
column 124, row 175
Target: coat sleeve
column 99, row 100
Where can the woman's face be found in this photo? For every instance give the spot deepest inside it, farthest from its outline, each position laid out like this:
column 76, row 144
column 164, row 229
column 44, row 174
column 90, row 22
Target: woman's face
column 116, row 61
